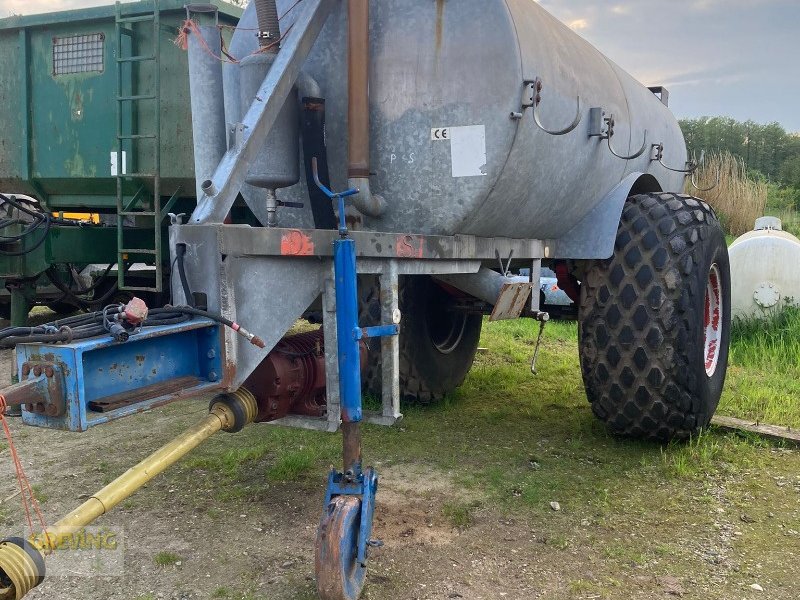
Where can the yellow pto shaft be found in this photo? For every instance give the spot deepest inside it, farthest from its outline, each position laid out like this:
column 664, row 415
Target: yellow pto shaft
column 21, row 561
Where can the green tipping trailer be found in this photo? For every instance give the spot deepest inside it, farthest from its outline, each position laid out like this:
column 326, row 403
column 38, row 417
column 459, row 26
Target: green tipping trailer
column 96, row 119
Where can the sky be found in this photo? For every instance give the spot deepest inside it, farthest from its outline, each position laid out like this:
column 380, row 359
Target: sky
column 736, row 58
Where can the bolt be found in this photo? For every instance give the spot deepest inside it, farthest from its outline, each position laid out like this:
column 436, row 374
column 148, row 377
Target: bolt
column 211, row 354
column 212, row 376
column 49, row 371
column 37, row 370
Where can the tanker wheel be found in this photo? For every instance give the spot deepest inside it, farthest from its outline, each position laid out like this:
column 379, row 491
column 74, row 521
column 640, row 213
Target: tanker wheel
column 437, row 342
column 339, row 574
column 655, row 320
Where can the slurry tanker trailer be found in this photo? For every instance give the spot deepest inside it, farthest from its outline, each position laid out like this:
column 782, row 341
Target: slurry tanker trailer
column 381, row 169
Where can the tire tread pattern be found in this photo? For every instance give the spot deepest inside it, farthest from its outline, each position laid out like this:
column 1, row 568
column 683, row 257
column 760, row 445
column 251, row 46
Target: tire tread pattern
column 639, row 320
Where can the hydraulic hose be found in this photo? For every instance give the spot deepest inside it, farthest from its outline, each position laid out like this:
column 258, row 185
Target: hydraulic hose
column 268, row 28
column 80, row 327
column 180, row 253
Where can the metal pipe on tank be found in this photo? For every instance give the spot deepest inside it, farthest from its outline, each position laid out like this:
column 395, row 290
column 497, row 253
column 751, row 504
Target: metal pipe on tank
column 484, row 285
column 208, row 110
column 358, row 109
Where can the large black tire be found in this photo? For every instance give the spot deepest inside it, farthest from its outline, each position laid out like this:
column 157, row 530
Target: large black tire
column 645, row 344
column 437, row 343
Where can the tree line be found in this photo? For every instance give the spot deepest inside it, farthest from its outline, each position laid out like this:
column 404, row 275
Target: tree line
column 768, row 150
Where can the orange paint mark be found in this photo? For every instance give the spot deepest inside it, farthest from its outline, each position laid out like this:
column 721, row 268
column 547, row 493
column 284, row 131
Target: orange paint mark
column 296, row 243
column 409, row 246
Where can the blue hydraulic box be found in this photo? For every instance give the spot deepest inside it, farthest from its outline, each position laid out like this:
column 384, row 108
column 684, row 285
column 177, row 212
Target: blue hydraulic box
column 97, row 380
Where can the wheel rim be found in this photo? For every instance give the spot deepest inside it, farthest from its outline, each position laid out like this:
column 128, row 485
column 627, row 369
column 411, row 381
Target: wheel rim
column 712, row 338
column 446, row 327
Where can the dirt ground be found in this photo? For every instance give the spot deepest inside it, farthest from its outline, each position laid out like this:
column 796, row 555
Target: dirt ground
column 193, row 533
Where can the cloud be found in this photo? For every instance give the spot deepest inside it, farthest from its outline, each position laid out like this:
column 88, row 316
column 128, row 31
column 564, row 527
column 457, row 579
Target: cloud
column 578, row 24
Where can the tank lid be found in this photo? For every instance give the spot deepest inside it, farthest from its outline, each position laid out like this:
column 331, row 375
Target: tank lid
column 768, row 223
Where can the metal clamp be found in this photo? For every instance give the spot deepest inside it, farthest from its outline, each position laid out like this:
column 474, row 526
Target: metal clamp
column 602, row 127
column 533, row 99
column 338, row 196
column 658, row 155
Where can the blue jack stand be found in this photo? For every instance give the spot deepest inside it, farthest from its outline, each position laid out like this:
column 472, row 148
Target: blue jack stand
column 344, row 533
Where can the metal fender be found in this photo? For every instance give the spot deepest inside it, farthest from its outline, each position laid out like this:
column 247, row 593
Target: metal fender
column 594, row 235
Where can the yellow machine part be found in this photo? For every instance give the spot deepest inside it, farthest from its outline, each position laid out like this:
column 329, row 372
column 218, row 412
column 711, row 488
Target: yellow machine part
column 91, row 217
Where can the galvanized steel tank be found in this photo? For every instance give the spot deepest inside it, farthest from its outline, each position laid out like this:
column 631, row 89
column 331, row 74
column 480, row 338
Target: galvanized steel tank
column 765, row 270
column 460, row 66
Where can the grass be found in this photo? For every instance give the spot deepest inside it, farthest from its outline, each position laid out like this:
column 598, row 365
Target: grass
column 460, row 514
column 764, row 373
column 166, row 559
column 508, row 443
column 737, row 198
column 522, row 440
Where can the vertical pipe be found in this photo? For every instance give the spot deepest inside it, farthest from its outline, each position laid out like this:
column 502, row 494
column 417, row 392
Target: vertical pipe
column 358, row 88
column 358, row 109
column 208, row 110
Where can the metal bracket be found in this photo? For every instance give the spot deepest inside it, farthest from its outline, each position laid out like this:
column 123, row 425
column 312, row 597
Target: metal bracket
column 505, row 269
column 661, row 93
column 657, row 155
column 43, row 385
column 533, row 98
column 693, row 181
column 601, row 126
column 513, row 299
column 365, row 486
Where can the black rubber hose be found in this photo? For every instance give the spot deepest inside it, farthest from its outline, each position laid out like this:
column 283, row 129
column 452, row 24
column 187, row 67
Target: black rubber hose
column 312, row 125
column 38, row 243
column 180, row 252
column 267, row 15
column 52, row 276
column 94, row 324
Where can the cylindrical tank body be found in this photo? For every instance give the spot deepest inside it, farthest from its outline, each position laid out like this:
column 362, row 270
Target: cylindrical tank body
column 278, row 165
column 764, row 273
column 461, row 65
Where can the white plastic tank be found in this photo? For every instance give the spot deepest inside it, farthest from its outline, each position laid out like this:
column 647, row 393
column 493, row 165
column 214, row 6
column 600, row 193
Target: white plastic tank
column 765, row 270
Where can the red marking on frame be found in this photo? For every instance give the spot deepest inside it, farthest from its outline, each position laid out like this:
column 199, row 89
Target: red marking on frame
column 296, row 243
column 409, row 246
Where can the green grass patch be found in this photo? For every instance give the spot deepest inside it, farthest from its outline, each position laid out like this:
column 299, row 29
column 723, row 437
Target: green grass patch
column 166, row 559
column 292, row 465
column 764, row 375
column 460, row 514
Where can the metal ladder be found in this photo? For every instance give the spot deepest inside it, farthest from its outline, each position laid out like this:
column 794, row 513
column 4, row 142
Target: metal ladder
column 136, row 207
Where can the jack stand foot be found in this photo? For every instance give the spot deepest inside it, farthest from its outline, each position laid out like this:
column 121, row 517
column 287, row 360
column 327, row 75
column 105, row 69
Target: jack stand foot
column 339, row 574
column 343, row 537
